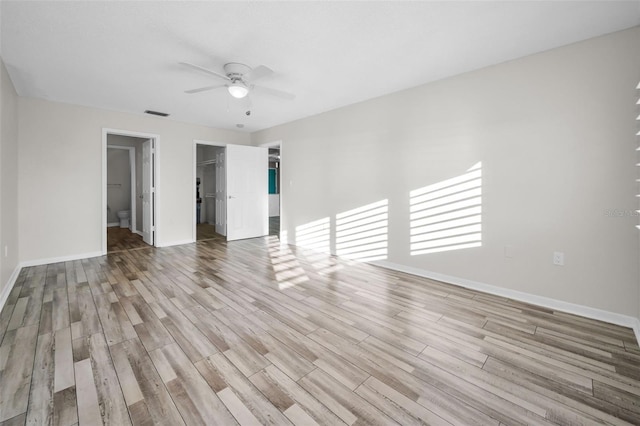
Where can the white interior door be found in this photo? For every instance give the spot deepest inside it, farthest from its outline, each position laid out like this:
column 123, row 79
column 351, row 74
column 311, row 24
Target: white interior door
column 148, row 191
column 221, row 193
column 247, row 192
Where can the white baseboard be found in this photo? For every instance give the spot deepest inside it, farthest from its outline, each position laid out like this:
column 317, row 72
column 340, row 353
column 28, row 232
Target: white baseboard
column 636, row 330
column 175, row 243
column 138, row 232
column 9, row 286
column 113, row 224
column 546, row 302
column 38, row 262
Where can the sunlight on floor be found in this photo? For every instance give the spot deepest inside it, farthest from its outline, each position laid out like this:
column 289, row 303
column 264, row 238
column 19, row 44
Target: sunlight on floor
column 286, row 267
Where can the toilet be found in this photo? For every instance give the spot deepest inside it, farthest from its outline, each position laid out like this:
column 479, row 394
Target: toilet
column 123, row 215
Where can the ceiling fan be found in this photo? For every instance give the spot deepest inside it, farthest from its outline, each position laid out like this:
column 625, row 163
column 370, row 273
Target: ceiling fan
column 239, row 80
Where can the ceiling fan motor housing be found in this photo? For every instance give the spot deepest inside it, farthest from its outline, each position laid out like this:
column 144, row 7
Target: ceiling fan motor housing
column 235, row 71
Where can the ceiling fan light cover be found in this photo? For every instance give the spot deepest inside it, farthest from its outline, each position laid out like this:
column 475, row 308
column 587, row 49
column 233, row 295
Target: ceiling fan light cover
column 238, row 90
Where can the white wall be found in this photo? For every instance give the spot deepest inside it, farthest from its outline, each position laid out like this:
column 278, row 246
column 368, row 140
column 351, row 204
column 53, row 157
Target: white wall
column 61, row 145
column 8, row 180
column 555, row 135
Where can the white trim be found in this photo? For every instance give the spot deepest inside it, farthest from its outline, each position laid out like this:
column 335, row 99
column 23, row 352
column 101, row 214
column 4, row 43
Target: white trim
column 177, row 243
column 103, row 221
column 38, row 262
column 210, row 143
column 132, row 172
column 9, row 286
column 197, row 142
column 156, row 190
column 274, row 144
column 113, row 224
column 546, row 302
column 139, row 233
column 636, row 330
column 156, row 171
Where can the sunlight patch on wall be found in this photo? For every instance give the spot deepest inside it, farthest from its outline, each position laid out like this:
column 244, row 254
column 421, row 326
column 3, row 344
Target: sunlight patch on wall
column 362, row 233
column 447, row 215
column 315, row 235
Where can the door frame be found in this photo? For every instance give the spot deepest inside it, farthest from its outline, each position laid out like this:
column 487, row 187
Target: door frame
column 156, row 174
column 278, row 144
column 197, row 142
column 132, row 171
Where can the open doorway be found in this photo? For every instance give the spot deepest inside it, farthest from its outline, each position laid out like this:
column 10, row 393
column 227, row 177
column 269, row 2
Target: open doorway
column 129, row 190
column 274, row 190
column 230, row 197
column 210, row 191
column 274, row 187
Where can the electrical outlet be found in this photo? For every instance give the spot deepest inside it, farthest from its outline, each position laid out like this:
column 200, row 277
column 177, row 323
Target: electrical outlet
column 558, row 258
column 508, row 252
column 6, row 251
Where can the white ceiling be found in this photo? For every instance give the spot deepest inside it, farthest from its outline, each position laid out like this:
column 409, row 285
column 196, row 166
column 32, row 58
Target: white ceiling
column 124, row 55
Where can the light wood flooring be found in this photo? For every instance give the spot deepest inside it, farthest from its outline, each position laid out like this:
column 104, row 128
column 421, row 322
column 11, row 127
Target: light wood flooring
column 274, row 225
column 119, row 239
column 253, row 333
column 204, row 231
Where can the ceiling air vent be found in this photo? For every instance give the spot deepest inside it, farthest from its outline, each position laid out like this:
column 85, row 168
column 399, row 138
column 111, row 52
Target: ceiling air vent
column 161, row 114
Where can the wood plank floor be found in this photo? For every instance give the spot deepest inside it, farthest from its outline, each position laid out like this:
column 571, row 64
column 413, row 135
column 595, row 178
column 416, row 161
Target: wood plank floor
column 254, row 333
column 274, row 225
column 205, row 231
column 119, row 239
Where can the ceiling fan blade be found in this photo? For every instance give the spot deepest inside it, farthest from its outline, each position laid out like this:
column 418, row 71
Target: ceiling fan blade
column 208, row 71
column 258, row 72
column 204, row 89
column 274, row 92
